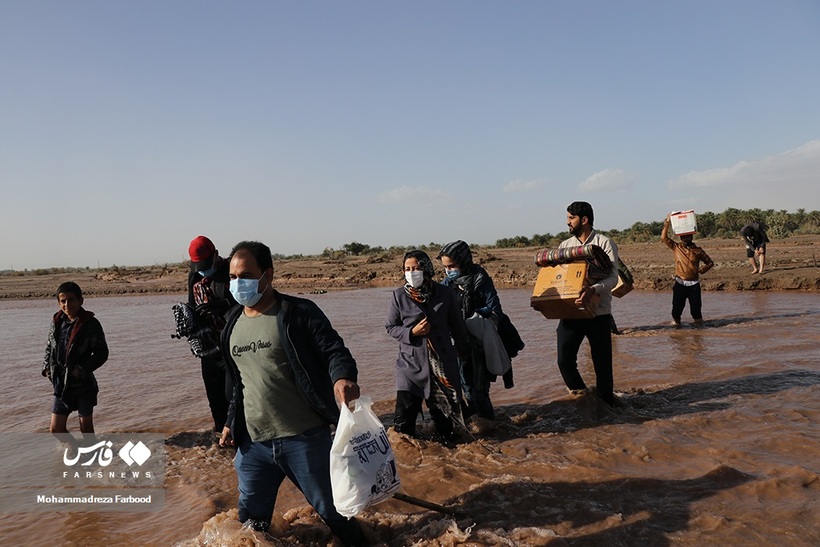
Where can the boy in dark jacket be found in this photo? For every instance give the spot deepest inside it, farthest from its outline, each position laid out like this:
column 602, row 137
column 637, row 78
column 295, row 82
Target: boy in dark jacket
column 76, row 348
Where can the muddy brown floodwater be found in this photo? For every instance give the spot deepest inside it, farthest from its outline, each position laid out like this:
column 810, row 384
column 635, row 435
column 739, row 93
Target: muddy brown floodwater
column 717, row 441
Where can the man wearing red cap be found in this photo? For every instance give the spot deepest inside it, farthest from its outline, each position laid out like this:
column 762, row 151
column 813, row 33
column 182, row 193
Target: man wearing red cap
column 209, row 295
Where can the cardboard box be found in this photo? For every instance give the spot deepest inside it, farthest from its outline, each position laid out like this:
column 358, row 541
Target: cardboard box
column 622, row 288
column 683, row 222
column 557, row 288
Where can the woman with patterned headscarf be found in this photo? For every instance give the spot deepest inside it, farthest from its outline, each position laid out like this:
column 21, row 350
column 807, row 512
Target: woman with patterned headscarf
column 476, row 294
column 425, row 319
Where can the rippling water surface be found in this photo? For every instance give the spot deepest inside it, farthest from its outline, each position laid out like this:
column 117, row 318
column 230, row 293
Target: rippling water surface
column 717, row 442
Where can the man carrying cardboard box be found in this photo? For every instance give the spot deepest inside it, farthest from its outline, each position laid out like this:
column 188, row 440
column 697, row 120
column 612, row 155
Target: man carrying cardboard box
column 688, row 259
column 571, row 332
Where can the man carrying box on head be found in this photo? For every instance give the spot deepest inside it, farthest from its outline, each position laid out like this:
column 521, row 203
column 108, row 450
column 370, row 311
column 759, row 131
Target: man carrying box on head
column 571, row 332
column 688, row 257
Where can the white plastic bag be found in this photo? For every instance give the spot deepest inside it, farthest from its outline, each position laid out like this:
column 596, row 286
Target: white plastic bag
column 362, row 465
column 496, row 358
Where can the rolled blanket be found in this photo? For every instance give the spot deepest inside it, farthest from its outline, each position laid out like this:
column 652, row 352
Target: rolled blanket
column 600, row 264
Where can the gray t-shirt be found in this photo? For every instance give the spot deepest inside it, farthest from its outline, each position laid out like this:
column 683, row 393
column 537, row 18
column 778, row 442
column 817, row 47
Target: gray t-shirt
column 274, row 406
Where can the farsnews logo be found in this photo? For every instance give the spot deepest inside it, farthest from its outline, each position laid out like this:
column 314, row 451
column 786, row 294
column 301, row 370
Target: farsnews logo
column 135, row 453
column 114, row 459
column 60, row 472
column 102, row 454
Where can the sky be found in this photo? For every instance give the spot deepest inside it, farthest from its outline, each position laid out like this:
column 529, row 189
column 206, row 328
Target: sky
column 129, row 128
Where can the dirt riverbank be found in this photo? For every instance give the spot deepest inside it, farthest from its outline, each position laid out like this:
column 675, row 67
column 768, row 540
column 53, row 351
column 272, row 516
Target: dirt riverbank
column 792, row 264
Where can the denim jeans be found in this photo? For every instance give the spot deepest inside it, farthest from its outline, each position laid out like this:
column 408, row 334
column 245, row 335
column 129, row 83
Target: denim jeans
column 305, row 460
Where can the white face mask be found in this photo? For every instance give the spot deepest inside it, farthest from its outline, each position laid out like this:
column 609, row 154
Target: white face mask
column 414, row 278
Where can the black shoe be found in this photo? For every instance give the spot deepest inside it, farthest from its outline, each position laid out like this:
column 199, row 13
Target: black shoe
column 467, row 410
column 449, row 440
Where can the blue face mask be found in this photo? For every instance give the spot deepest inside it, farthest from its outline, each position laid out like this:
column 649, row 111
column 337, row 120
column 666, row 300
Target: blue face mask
column 246, row 291
column 452, row 274
column 209, row 272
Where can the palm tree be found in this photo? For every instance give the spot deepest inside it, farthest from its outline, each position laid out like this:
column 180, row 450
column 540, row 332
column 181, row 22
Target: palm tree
column 730, row 221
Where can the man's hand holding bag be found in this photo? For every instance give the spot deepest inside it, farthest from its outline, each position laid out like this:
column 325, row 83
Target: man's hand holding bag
column 362, row 465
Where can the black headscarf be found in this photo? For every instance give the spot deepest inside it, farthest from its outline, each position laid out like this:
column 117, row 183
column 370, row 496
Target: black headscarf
column 470, row 277
column 461, row 254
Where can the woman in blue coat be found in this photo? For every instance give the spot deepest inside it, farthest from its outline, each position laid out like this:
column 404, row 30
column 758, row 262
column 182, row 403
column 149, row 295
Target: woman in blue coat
column 475, row 293
column 425, row 319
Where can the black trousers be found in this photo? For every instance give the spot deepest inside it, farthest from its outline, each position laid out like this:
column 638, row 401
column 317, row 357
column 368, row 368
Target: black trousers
column 214, row 375
column 571, row 333
column 475, row 381
column 408, row 407
column 682, row 293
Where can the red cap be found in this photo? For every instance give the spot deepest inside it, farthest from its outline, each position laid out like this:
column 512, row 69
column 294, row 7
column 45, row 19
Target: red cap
column 201, row 250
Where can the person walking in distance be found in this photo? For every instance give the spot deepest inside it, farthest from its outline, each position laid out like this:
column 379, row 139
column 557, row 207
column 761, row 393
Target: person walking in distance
column 755, row 238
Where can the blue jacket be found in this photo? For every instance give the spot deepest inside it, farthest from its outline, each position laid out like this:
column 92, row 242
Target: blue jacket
column 315, row 351
column 476, row 292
